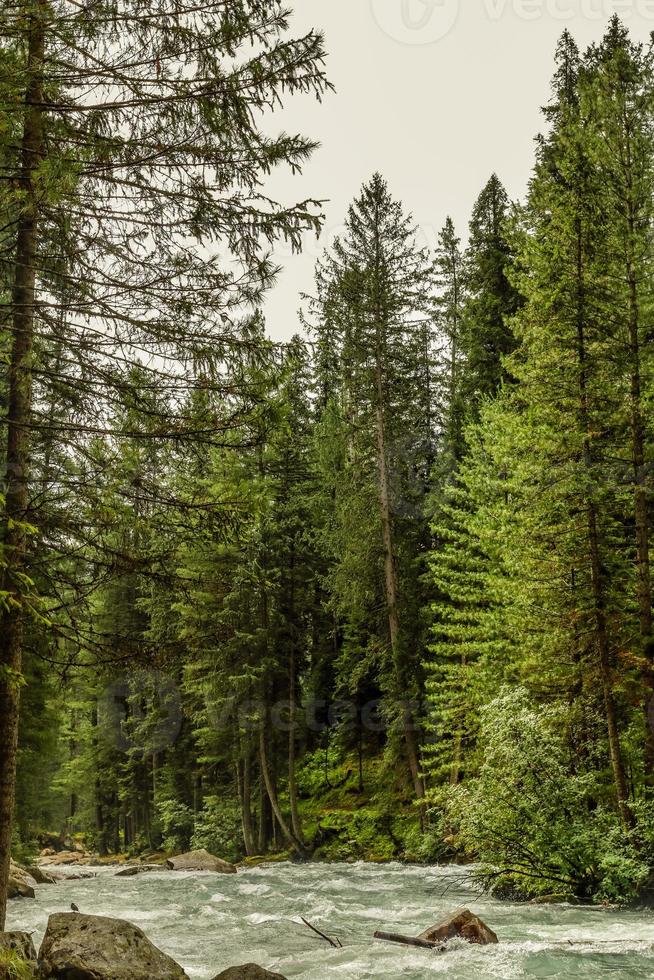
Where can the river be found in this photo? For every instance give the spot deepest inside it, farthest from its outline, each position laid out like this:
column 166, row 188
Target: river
column 209, row 922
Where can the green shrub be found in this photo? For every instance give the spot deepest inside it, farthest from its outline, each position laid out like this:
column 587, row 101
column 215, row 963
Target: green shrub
column 218, row 829
column 176, row 821
column 532, row 820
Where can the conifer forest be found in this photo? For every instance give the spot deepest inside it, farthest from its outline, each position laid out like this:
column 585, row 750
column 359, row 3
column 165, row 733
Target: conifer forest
column 381, row 592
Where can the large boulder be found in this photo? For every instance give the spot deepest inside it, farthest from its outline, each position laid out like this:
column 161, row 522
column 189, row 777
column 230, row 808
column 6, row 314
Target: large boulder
column 40, row 876
column 17, row 888
column 19, row 942
column 92, row 947
column 17, row 948
column 64, row 857
column 463, row 925
column 21, row 884
column 200, row 861
column 248, row 972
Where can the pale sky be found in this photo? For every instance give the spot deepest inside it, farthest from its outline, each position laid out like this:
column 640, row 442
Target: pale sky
column 436, row 95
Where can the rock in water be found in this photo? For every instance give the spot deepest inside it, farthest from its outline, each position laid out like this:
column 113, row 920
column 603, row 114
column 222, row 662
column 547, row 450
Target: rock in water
column 461, row 924
column 92, row 947
column 200, row 861
column 137, row 869
column 248, row 972
column 40, row 876
column 21, row 884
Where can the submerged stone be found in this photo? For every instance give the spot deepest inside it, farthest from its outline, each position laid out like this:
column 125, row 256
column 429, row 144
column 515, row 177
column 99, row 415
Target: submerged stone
column 250, row 971
column 461, row 924
column 40, row 876
column 136, row 869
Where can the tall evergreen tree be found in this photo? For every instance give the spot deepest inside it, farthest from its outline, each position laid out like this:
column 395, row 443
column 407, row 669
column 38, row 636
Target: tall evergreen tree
column 373, row 300
column 450, row 305
column 486, row 336
column 155, row 172
column 617, row 92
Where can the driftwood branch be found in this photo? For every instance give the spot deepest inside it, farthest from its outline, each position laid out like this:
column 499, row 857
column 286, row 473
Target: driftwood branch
column 391, row 937
column 336, row 943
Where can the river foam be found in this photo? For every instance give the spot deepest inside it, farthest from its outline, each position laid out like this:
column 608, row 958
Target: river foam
column 209, row 922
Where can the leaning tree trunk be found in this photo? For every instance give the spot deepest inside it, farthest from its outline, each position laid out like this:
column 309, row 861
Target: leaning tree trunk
column 289, row 836
column 19, row 405
column 244, row 781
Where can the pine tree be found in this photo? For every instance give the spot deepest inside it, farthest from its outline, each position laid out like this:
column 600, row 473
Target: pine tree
column 153, row 174
column 617, row 90
column 450, row 304
column 566, row 385
column 373, row 300
column 486, row 336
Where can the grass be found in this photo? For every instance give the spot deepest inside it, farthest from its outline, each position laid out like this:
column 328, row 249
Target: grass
column 14, row 967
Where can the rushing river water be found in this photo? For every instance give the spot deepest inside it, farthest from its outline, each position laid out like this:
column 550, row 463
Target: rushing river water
column 209, row 922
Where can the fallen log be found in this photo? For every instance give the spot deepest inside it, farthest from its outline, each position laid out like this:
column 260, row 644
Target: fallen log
column 391, row 937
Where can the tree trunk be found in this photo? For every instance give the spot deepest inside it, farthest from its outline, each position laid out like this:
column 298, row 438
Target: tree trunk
column 296, row 822
column 18, row 438
column 391, row 588
column 287, row 832
column 244, row 779
column 606, row 671
column 641, row 513
column 265, row 818
column 597, row 572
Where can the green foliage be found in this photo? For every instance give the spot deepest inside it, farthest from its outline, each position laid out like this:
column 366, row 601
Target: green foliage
column 218, row 828
column 14, row 967
column 529, row 816
column 436, row 511
column 177, row 822
column 491, row 298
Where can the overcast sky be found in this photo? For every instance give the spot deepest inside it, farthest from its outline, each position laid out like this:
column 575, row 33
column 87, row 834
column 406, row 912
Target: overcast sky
column 436, row 95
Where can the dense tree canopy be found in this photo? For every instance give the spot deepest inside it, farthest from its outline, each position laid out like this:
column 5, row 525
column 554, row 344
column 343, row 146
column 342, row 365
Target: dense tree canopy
column 383, row 591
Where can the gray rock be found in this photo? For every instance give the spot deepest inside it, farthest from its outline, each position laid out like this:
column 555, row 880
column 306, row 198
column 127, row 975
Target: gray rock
column 461, row 924
column 200, row 861
column 18, row 871
column 92, row 947
column 248, row 972
column 20, row 942
column 40, row 876
column 137, row 869
column 64, row 857
column 21, row 946
column 19, row 887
